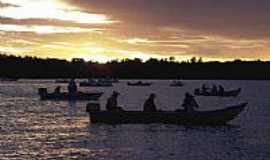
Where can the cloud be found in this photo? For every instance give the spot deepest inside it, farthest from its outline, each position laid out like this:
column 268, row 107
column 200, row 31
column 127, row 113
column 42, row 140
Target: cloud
column 53, row 9
column 213, row 29
column 4, row 5
column 234, row 18
column 45, row 29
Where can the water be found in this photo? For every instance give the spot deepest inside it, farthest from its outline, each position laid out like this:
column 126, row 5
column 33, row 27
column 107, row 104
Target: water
column 34, row 129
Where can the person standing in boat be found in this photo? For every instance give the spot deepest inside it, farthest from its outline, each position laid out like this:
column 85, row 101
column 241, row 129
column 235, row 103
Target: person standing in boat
column 112, row 104
column 72, row 87
column 149, row 104
column 189, row 103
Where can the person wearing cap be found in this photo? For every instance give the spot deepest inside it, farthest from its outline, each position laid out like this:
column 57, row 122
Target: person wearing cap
column 189, row 103
column 112, row 104
column 149, row 104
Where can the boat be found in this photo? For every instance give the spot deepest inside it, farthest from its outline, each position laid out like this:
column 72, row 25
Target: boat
column 64, row 96
column 179, row 117
column 110, row 80
column 231, row 93
column 114, row 80
column 96, row 83
column 62, row 81
column 139, row 83
column 9, row 79
column 177, row 84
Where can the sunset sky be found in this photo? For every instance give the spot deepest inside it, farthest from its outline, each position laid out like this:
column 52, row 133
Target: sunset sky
column 103, row 30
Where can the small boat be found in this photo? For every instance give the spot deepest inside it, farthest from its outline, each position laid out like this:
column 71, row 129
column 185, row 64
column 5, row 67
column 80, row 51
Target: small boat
column 9, row 79
column 64, row 96
column 139, row 83
column 110, row 80
column 96, row 83
column 177, row 84
column 114, row 80
column 62, row 81
column 231, row 93
column 179, row 117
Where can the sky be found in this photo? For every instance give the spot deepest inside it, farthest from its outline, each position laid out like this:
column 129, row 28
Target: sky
column 104, row 30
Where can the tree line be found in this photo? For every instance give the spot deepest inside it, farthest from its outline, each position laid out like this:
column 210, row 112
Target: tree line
column 32, row 67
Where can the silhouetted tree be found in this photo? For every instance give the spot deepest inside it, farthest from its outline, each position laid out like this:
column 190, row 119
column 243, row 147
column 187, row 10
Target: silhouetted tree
column 33, row 67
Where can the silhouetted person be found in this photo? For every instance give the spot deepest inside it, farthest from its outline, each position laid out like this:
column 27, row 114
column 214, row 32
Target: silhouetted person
column 112, row 104
column 72, row 87
column 197, row 91
column 204, row 88
column 149, row 104
column 189, row 103
column 214, row 90
column 220, row 90
column 57, row 90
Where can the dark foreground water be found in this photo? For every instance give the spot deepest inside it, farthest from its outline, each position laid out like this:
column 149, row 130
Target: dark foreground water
column 34, row 129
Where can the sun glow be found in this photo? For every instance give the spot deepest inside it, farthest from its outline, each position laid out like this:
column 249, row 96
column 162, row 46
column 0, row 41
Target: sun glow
column 50, row 9
column 45, row 29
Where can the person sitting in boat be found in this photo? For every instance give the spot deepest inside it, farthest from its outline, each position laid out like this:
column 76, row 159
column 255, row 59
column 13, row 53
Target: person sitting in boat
column 204, row 88
column 197, row 91
column 220, row 90
column 112, row 104
column 57, row 90
column 189, row 103
column 149, row 104
column 72, row 87
column 214, row 90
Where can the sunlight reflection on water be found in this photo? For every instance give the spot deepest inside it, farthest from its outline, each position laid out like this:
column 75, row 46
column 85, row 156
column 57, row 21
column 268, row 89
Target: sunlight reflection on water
column 34, row 129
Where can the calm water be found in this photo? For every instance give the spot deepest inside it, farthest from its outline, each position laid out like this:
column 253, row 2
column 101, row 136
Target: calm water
column 34, row 129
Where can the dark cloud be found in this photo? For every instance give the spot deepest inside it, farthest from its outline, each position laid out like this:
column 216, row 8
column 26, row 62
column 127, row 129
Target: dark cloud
column 237, row 18
column 2, row 5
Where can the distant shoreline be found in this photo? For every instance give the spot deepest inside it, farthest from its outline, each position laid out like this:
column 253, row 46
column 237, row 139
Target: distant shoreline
column 155, row 69
column 147, row 79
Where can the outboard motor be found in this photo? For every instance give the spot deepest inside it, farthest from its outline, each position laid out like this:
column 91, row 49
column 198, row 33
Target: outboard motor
column 42, row 92
column 92, row 107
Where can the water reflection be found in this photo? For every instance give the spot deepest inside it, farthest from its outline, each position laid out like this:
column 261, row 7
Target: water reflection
column 34, row 129
column 72, row 109
column 171, row 141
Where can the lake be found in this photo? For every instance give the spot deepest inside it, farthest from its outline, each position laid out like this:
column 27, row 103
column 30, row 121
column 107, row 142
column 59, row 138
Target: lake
column 34, row 129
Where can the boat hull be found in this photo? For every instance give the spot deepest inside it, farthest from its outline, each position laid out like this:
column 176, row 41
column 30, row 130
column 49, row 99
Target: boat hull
column 61, row 81
column 218, row 117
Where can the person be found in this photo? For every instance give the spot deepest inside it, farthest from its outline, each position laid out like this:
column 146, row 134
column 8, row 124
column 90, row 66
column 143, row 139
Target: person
column 189, row 103
column 112, row 104
column 220, row 90
column 57, row 90
column 72, row 87
column 204, row 88
column 214, row 90
column 149, row 104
